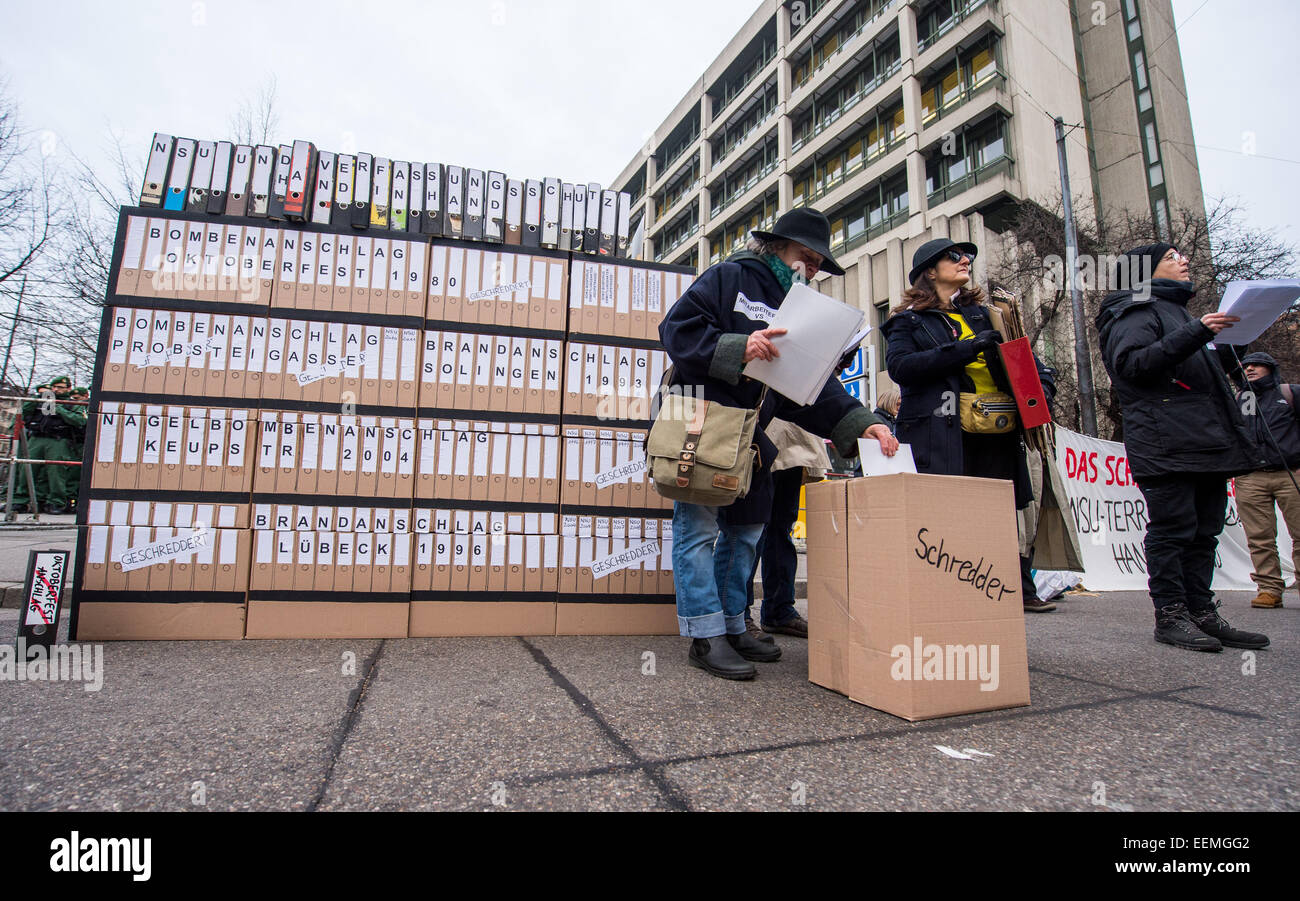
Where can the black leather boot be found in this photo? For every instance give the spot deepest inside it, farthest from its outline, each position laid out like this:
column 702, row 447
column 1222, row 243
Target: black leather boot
column 1175, row 627
column 752, row 648
column 1209, row 622
column 717, row 656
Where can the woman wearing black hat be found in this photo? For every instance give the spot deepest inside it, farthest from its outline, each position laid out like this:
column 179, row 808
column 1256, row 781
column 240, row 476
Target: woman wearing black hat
column 940, row 346
column 714, row 329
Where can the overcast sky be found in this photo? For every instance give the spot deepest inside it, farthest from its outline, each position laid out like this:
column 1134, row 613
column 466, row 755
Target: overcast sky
column 548, row 88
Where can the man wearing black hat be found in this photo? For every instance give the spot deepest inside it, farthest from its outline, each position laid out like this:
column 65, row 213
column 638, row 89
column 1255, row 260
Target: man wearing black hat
column 1184, row 435
column 1272, row 411
column 719, row 325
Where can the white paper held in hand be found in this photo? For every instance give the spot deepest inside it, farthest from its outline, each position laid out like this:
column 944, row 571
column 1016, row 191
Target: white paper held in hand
column 1259, row 304
column 875, row 463
column 819, row 330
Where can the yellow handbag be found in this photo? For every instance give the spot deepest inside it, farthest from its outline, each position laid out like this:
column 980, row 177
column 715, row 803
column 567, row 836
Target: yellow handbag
column 987, row 414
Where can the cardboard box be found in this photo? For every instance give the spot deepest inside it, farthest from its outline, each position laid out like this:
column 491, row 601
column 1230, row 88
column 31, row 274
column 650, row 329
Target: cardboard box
column 914, row 601
column 326, row 619
column 433, row 619
column 322, row 584
column 616, row 619
column 197, row 594
column 133, row 621
column 479, row 371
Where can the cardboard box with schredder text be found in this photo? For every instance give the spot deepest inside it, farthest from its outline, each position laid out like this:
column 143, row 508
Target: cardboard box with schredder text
column 914, row 603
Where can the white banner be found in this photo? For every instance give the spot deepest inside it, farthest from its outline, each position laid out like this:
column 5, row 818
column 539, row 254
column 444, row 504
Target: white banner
column 1110, row 514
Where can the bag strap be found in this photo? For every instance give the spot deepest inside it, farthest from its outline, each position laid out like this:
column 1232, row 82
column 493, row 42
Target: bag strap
column 1289, row 396
column 686, row 456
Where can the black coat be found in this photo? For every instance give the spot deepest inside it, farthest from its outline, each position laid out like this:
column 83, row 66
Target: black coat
column 1283, row 420
column 887, row 418
column 705, row 334
column 1180, row 414
column 927, row 361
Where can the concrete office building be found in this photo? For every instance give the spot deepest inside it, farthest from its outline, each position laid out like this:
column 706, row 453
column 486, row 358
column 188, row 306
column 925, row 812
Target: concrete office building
column 904, row 120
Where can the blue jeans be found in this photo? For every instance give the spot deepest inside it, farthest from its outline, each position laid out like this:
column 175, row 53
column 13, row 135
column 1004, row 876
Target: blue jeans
column 712, row 561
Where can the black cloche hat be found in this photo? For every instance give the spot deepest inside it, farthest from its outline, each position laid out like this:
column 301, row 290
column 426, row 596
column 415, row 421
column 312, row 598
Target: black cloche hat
column 809, row 228
column 928, row 254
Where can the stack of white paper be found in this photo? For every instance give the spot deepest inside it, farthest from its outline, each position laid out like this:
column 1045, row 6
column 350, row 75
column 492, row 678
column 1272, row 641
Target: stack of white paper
column 819, row 331
column 1258, row 303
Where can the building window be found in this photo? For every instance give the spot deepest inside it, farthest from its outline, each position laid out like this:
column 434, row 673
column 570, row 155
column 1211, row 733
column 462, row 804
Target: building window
column 954, row 86
column 673, row 147
column 1157, row 176
column 1162, row 219
column 940, row 18
column 1144, row 101
column 842, row 161
column 801, row 11
column 876, row 209
column 670, row 238
column 981, row 152
column 881, row 62
column 736, row 133
column 1153, row 146
column 1131, row 17
column 1140, row 70
column 736, row 233
column 759, row 57
column 744, row 177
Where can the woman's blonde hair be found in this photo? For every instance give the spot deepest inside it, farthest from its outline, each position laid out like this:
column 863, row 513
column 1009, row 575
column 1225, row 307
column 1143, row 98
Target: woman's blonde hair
column 889, row 400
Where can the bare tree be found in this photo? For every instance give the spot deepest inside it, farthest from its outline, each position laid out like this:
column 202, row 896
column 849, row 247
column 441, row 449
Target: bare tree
column 257, row 119
column 25, row 208
column 27, row 227
column 1222, row 247
column 64, row 299
column 84, row 250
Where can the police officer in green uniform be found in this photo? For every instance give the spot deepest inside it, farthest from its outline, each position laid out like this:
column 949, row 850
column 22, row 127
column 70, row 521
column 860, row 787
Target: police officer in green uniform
column 51, row 430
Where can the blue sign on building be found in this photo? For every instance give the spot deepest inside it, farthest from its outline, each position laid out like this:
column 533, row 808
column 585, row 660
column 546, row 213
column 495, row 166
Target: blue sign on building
column 855, row 388
column 858, row 369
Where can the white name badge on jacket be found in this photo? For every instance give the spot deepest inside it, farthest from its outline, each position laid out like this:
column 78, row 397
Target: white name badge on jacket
column 753, row 309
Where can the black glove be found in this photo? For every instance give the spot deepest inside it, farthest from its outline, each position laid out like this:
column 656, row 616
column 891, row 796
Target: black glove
column 987, row 340
column 847, row 360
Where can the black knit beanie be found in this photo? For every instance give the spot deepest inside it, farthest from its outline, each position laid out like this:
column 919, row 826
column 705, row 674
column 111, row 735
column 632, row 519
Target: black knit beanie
column 1138, row 265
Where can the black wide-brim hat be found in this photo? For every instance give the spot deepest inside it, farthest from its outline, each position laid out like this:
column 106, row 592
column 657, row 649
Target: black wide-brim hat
column 808, row 227
column 928, row 254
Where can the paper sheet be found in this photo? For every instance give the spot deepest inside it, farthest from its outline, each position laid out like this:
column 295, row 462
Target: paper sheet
column 1258, row 303
column 875, row 463
column 819, row 329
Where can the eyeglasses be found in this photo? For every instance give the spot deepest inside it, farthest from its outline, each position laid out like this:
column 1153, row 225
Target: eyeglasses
column 957, row 255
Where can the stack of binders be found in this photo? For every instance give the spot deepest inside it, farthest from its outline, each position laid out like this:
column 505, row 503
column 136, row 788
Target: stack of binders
column 298, row 183
column 342, row 396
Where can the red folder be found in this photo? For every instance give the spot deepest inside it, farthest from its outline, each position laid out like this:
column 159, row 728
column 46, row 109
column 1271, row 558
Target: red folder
column 1022, row 371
